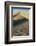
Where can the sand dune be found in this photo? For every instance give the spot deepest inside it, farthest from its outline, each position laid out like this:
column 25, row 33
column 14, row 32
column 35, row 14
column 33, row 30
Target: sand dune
column 21, row 15
column 21, row 24
column 25, row 14
column 22, row 29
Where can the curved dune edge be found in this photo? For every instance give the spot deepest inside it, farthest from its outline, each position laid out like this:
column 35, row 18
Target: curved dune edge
column 21, row 15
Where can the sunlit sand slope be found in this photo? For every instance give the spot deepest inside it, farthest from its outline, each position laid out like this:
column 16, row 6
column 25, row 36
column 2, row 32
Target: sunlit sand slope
column 21, row 15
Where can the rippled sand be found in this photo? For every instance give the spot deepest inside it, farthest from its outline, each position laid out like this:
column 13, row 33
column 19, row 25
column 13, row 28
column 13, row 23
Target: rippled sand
column 21, row 29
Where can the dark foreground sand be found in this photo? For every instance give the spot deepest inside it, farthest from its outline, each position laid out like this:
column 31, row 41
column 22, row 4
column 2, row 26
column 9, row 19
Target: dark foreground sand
column 21, row 28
